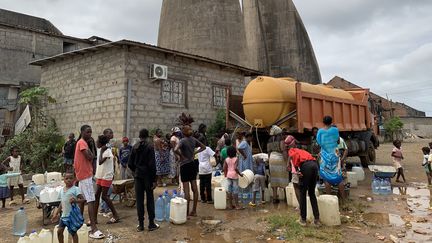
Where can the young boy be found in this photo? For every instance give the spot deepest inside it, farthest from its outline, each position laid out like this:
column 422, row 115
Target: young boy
column 14, row 162
column 69, row 194
column 397, row 159
column 427, row 159
column 259, row 181
column 124, row 154
column 205, row 173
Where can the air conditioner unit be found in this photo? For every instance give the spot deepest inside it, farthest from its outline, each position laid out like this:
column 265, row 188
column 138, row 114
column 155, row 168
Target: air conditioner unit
column 158, row 71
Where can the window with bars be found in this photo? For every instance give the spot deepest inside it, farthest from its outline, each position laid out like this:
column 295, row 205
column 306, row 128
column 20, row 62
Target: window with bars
column 219, row 96
column 173, row 92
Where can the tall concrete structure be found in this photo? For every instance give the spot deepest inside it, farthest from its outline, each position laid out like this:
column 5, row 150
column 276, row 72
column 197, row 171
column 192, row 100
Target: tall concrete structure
column 210, row 28
column 266, row 35
column 277, row 40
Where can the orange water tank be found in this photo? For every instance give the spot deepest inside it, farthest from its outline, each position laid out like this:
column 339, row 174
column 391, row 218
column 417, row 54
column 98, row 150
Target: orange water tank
column 267, row 99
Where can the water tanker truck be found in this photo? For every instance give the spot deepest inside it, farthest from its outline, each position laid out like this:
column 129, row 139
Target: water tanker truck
column 298, row 107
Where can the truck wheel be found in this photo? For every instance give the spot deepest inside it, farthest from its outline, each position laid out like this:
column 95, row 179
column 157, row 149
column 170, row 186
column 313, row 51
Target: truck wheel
column 364, row 161
column 371, row 154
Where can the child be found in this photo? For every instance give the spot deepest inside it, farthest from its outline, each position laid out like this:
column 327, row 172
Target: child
column 104, row 176
column 205, row 173
column 259, row 182
column 14, row 161
column 124, row 153
column 69, row 194
column 427, row 164
column 231, row 173
column 397, row 159
column 4, row 190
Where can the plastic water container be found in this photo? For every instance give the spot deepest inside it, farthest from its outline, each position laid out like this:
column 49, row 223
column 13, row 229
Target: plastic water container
column 267, row 194
column 160, row 209
column 53, row 177
column 83, row 233
column 329, row 210
column 178, row 212
column 291, row 196
column 45, row 236
column 359, row 172
column 248, row 177
column 24, row 239
column 44, row 196
column 54, row 194
column 168, row 206
column 376, row 186
column 385, row 187
column 34, row 237
column 352, row 178
column 281, row 193
column 38, row 179
column 65, row 235
column 20, row 223
column 220, row 199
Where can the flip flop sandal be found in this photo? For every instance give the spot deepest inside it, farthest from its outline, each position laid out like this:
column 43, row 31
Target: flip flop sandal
column 26, row 201
column 97, row 235
column 113, row 221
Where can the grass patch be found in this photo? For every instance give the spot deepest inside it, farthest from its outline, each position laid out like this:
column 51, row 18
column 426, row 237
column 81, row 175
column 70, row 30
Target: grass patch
column 294, row 232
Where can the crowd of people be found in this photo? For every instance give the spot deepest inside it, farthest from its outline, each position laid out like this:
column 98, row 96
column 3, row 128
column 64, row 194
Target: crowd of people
column 183, row 156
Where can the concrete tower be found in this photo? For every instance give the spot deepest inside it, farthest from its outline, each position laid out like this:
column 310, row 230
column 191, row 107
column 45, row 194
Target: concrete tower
column 277, row 41
column 210, row 28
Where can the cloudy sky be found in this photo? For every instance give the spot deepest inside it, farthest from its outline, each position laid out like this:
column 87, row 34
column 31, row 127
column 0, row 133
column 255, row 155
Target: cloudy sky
column 385, row 45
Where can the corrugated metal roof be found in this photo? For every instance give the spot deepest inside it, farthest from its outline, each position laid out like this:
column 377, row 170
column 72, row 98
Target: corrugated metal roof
column 66, row 55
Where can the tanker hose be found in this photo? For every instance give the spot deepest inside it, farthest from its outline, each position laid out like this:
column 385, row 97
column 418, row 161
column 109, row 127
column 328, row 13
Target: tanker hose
column 259, row 144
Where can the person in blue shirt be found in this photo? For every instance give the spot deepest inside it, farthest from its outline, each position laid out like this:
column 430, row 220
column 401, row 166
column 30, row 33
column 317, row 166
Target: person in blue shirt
column 124, row 154
column 245, row 150
column 259, row 182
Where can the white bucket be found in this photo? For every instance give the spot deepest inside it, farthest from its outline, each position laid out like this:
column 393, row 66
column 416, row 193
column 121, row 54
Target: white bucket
column 178, row 211
column 247, row 179
column 291, row 196
column 268, row 194
column 38, row 179
column 281, row 193
column 329, row 210
column 220, row 198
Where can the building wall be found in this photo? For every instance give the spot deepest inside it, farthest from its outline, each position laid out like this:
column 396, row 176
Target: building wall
column 19, row 47
column 148, row 111
column 89, row 89
column 420, row 126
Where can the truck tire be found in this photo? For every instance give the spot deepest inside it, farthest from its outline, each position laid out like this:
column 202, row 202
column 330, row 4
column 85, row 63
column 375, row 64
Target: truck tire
column 370, row 157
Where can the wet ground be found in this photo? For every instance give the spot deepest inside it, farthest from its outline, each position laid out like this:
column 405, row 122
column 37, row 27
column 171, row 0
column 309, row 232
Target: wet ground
column 405, row 216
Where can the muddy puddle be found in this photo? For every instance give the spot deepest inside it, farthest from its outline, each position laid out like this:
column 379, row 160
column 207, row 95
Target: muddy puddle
column 418, row 219
column 386, row 219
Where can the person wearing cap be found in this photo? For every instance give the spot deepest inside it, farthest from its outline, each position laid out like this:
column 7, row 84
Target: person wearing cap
column 307, row 170
column 279, row 177
column 124, row 154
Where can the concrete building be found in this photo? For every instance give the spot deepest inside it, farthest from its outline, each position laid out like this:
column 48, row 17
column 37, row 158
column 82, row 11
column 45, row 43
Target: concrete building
column 419, row 126
column 110, row 85
column 385, row 108
column 266, row 35
column 207, row 28
column 278, row 42
column 24, row 39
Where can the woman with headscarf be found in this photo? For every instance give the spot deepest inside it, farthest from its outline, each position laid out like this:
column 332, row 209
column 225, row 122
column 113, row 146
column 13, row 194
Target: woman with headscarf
column 279, row 177
column 162, row 155
column 330, row 171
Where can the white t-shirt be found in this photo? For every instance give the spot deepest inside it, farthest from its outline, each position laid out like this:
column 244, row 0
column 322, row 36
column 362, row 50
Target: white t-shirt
column 105, row 171
column 425, row 159
column 204, row 161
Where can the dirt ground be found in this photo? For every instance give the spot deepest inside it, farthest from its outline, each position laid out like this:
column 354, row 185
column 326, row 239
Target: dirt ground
column 404, row 216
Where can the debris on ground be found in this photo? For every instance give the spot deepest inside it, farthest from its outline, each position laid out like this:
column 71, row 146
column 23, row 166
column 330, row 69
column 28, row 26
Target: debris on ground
column 394, row 239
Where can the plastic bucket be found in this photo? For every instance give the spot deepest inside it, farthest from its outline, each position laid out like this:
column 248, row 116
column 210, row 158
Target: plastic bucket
column 247, row 179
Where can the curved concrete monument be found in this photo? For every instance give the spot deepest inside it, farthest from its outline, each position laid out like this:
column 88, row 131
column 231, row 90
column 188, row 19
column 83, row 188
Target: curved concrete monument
column 210, row 28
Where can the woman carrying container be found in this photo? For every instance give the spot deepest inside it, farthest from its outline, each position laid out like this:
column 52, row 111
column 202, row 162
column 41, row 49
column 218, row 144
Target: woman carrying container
column 279, row 177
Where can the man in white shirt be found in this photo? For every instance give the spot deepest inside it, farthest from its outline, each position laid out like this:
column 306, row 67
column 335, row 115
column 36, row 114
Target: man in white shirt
column 205, row 174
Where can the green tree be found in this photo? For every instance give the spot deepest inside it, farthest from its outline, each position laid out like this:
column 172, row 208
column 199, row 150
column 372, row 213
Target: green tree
column 216, row 127
column 393, row 126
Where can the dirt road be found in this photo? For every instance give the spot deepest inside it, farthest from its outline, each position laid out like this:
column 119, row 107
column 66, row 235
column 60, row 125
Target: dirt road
column 366, row 218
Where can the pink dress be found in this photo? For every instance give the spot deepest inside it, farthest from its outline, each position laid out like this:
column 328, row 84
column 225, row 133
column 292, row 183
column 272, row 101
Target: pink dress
column 397, row 160
column 231, row 173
